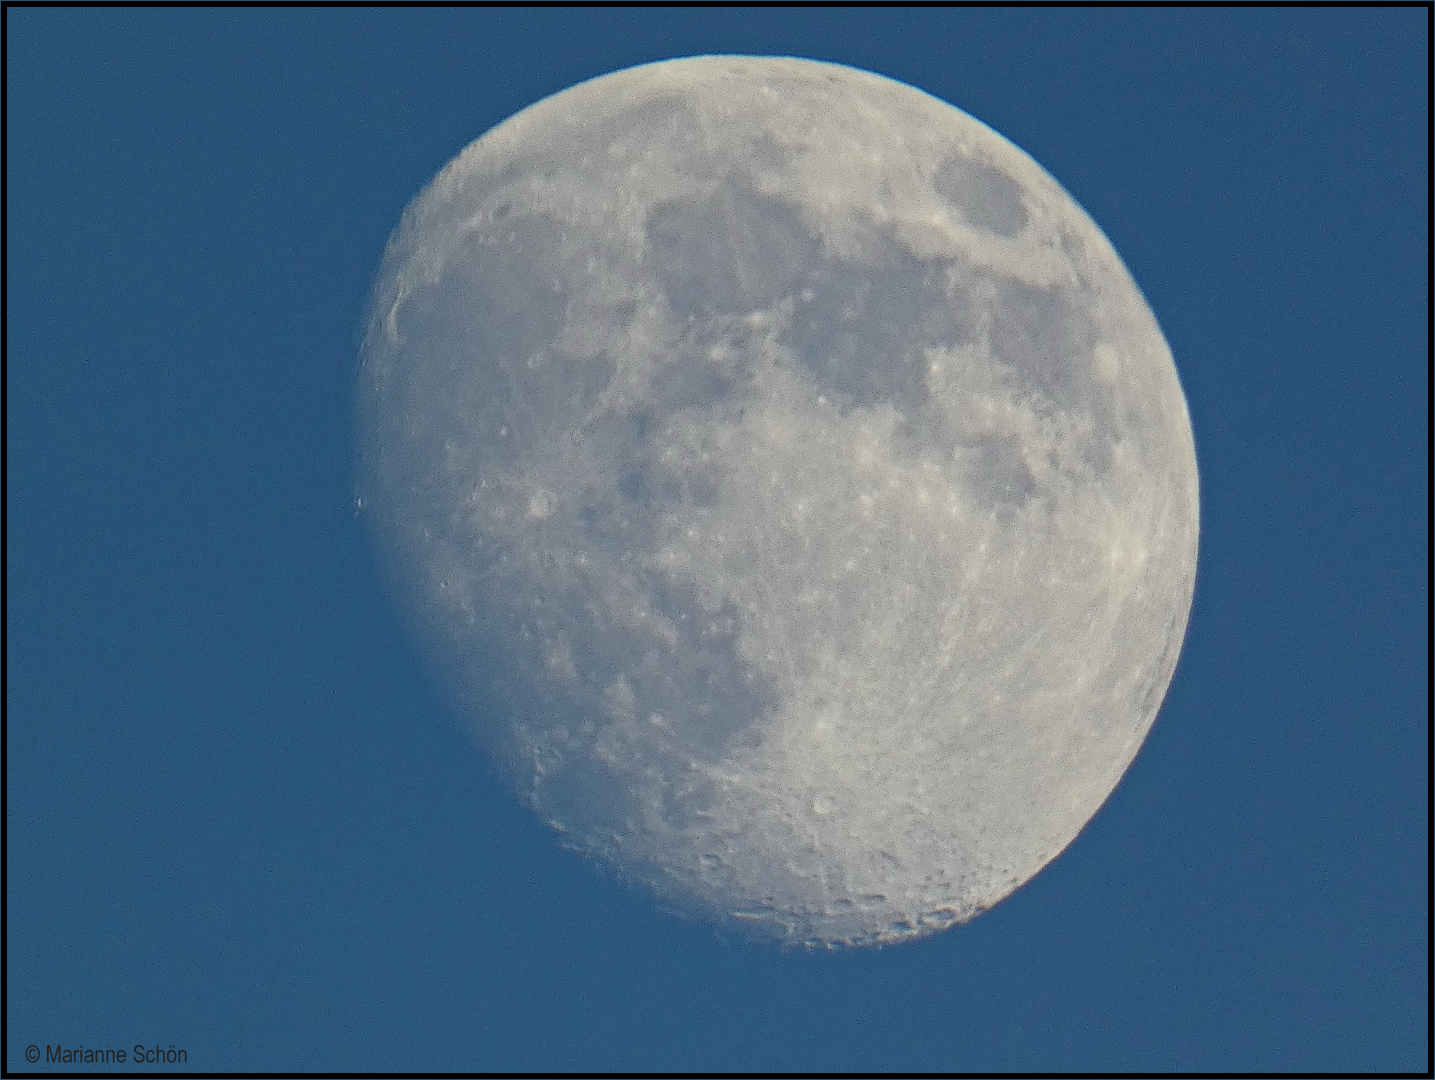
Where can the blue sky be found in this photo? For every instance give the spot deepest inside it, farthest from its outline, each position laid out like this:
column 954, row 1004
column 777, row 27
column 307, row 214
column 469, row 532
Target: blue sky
column 239, row 818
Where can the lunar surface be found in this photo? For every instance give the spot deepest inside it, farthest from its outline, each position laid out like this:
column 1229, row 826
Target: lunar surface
column 792, row 485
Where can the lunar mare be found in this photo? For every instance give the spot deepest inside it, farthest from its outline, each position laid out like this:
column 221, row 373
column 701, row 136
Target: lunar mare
column 792, row 483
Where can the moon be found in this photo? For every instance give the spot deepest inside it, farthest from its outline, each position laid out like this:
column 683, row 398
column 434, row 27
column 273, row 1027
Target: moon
column 791, row 484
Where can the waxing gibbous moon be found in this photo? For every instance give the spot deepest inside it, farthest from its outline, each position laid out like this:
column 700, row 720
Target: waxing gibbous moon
column 791, row 483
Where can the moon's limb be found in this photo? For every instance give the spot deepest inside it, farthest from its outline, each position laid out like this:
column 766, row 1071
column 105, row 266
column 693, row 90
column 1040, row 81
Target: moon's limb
column 795, row 482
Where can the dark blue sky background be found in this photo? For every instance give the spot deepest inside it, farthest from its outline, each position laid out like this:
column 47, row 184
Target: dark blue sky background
column 238, row 816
